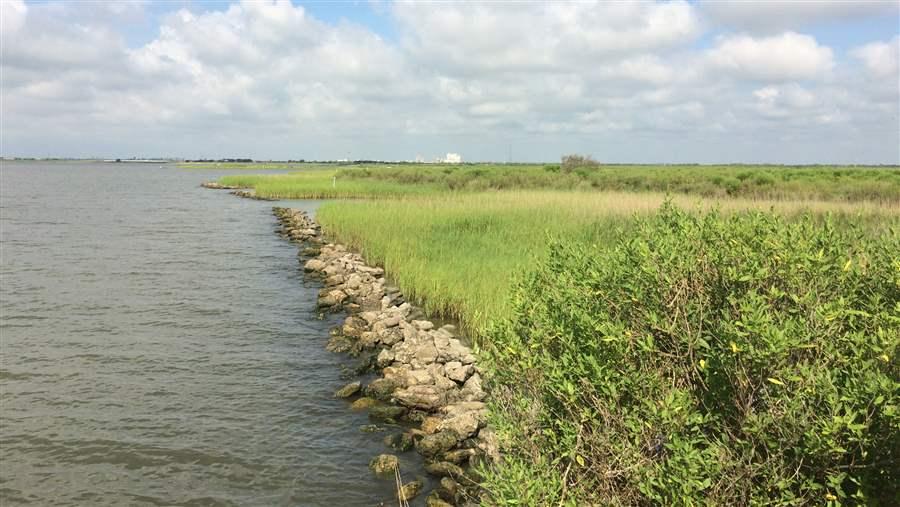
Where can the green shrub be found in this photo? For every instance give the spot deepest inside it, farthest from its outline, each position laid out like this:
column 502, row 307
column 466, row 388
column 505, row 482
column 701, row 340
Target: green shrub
column 583, row 164
column 703, row 359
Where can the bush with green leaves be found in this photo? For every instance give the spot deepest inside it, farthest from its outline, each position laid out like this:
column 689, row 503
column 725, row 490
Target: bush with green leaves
column 575, row 163
column 703, row 358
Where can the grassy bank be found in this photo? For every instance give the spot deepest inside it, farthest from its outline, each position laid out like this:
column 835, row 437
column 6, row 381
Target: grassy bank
column 458, row 253
column 713, row 350
column 832, row 183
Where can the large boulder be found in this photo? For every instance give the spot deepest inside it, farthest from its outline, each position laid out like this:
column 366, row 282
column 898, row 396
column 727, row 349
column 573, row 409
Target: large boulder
column 431, row 446
column 458, row 372
column 381, row 389
column 425, row 397
column 332, row 298
column 314, row 265
column 385, row 357
column 464, row 424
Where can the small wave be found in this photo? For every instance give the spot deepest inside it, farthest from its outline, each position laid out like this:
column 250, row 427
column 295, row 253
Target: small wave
column 8, row 375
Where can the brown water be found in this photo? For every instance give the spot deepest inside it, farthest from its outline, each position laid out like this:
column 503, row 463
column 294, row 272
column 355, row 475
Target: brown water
column 158, row 346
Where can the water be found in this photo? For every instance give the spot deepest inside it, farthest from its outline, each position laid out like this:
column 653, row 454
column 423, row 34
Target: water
column 158, row 346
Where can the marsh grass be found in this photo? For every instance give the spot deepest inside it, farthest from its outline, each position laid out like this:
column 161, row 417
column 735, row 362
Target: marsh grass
column 457, row 254
column 827, row 183
column 322, row 184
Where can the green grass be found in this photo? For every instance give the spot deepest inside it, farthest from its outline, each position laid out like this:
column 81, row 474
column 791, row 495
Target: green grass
column 258, row 166
column 835, row 183
column 457, row 253
column 826, row 182
column 322, row 184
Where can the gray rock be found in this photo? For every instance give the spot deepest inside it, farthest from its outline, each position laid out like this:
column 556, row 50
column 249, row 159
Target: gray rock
column 425, row 354
column 352, row 328
column 363, row 403
column 425, row 397
column 385, row 358
column 387, row 412
column 449, row 490
column 401, row 442
column 339, row 344
column 444, row 469
column 423, row 325
column 348, row 390
column 332, row 298
column 392, row 321
column 434, row 500
column 381, row 389
column 410, row 490
column 390, row 336
column 384, row 464
column 457, row 371
column 464, row 424
column 354, row 281
column 314, row 265
column 458, row 456
column 436, row 444
column 334, row 280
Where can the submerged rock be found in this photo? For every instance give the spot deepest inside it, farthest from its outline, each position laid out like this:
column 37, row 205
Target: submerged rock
column 348, row 390
column 363, row 403
column 387, row 412
column 410, row 490
column 401, row 442
column 339, row 344
column 434, row 500
column 381, row 389
column 384, row 464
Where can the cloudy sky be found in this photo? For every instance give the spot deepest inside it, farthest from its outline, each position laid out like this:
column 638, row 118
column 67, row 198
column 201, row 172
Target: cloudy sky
column 783, row 82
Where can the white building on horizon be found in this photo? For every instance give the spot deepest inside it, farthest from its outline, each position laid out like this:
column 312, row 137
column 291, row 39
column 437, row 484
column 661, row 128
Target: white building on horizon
column 452, row 158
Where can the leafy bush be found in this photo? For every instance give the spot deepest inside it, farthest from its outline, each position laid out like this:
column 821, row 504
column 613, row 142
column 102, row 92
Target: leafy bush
column 573, row 163
column 703, row 359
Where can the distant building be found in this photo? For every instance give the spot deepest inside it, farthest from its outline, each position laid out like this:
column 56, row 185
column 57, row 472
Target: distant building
column 420, row 159
column 453, row 158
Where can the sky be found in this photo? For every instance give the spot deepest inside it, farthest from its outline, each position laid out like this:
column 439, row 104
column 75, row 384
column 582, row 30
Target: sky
column 643, row 82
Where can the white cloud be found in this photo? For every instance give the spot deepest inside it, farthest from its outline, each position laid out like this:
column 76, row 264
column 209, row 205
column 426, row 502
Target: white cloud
column 778, row 15
column 882, row 59
column 268, row 79
column 785, row 57
column 539, row 36
column 12, row 16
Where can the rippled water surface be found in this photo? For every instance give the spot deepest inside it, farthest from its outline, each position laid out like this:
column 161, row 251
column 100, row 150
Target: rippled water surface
column 158, row 346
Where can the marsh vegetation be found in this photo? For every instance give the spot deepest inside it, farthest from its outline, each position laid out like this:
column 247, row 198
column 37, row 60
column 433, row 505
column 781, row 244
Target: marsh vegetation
column 670, row 335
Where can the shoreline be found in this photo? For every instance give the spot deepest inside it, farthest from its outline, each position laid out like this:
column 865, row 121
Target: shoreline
column 426, row 376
